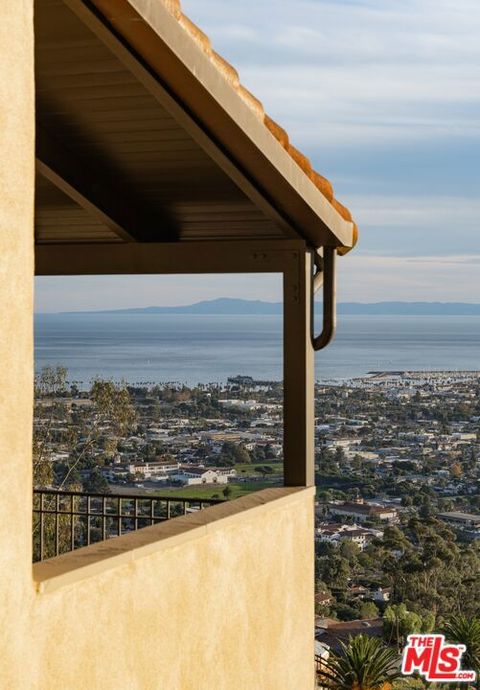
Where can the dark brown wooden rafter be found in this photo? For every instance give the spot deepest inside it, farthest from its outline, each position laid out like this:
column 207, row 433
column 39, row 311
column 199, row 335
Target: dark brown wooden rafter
column 99, row 192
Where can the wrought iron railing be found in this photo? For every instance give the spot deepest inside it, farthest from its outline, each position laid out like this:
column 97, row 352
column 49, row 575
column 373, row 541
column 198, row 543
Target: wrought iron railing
column 67, row 520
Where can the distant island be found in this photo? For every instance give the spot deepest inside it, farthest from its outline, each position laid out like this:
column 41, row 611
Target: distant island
column 226, row 305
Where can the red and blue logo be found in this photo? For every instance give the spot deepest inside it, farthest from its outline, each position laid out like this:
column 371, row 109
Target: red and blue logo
column 435, row 659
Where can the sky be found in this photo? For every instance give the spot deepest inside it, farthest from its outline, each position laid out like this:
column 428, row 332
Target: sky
column 384, row 98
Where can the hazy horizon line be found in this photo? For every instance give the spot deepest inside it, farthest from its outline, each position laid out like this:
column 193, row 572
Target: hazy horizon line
column 238, row 300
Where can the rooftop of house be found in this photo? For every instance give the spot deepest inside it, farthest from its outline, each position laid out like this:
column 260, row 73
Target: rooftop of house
column 458, row 515
column 364, row 508
column 194, row 469
column 335, row 632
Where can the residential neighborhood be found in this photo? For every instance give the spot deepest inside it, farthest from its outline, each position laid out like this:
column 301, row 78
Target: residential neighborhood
column 397, row 474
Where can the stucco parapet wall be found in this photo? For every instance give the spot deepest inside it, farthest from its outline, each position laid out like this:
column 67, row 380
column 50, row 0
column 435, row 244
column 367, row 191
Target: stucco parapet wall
column 98, row 558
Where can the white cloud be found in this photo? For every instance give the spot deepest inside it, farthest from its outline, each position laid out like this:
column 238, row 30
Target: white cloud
column 382, row 278
column 355, row 72
column 431, row 213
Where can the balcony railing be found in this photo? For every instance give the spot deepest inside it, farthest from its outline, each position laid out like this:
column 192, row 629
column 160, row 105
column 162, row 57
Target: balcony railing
column 67, row 520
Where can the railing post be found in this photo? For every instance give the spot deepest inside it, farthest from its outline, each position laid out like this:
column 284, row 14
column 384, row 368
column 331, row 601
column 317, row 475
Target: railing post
column 88, row 518
column 119, row 511
column 104, row 517
column 42, row 526
column 57, row 536
column 135, row 514
column 72, row 522
column 298, row 367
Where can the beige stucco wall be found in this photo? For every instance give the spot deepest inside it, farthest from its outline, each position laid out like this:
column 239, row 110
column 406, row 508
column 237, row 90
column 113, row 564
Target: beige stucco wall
column 16, row 278
column 218, row 599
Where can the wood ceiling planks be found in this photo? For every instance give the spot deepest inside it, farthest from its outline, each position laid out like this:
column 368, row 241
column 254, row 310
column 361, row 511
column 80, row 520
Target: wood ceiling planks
column 98, row 110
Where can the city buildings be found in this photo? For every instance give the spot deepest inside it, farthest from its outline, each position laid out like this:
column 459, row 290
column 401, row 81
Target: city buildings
column 190, row 475
column 459, row 519
column 363, row 512
column 336, row 534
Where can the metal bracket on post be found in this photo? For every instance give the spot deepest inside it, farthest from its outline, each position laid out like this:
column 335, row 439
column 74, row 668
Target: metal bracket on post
column 325, row 275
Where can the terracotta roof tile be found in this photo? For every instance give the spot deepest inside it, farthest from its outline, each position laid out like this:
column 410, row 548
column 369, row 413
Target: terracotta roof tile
column 252, row 102
column 174, row 7
column 278, row 132
column 231, row 75
column 229, row 72
column 201, row 37
column 343, row 210
column 300, row 160
column 324, row 185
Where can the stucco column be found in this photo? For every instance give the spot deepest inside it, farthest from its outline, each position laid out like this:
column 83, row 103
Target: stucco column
column 16, row 341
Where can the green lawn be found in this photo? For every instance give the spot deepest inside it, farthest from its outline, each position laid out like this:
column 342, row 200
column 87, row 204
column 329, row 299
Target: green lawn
column 210, row 491
column 248, row 468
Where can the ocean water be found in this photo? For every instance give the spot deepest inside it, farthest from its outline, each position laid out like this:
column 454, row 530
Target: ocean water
column 155, row 348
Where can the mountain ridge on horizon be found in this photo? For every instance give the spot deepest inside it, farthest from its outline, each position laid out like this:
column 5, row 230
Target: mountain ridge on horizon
column 233, row 306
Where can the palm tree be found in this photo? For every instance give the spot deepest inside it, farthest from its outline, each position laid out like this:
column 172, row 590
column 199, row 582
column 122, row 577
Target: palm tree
column 461, row 630
column 365, row 663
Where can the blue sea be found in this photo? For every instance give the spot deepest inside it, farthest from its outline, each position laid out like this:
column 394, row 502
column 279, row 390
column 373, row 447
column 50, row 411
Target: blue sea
column 195, row 348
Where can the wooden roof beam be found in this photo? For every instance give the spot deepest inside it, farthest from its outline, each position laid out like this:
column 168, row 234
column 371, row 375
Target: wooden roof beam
column 99, row 192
